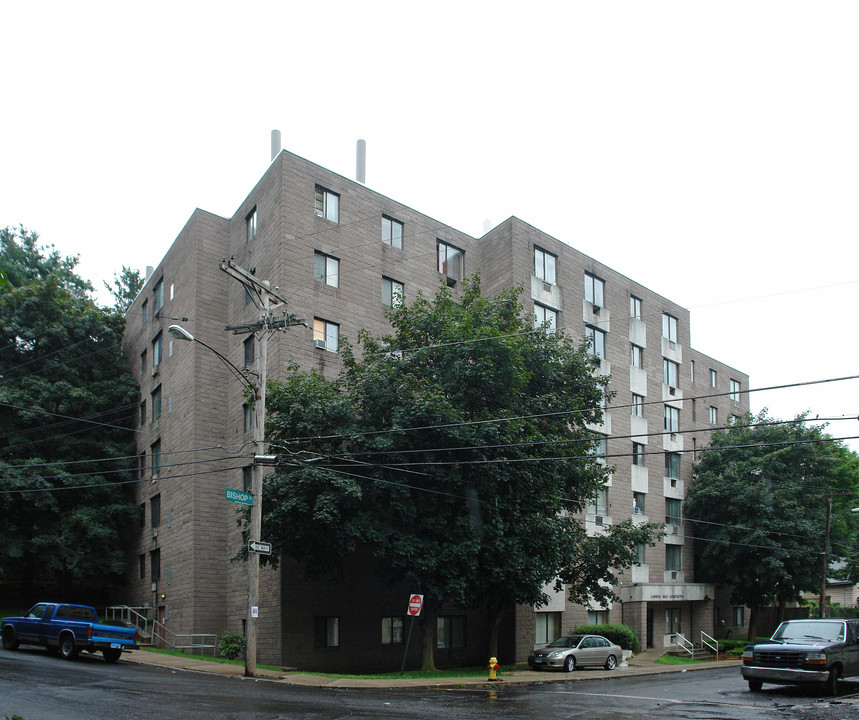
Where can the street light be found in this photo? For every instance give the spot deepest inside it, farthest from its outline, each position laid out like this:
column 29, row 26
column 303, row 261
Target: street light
column 255, row 526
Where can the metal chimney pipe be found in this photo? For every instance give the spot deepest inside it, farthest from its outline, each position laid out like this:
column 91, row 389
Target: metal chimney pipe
column 361, row 162
column 275, row 144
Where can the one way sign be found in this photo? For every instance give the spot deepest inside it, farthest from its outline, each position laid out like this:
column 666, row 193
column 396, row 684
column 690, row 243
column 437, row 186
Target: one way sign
column 257, row 546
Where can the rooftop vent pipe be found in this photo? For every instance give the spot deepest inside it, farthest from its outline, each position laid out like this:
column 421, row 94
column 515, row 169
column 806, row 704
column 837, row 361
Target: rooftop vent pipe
column 275, row 144
column 361, row 162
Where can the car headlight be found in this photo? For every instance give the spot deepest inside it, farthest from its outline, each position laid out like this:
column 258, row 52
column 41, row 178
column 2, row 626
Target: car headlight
column 818, row 658
column 748, row 655
column 556, row 654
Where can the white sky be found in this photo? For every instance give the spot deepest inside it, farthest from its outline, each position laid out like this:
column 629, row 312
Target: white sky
column 708, row 150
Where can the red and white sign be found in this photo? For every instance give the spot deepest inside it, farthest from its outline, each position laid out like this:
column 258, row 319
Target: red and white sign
column 415, row 604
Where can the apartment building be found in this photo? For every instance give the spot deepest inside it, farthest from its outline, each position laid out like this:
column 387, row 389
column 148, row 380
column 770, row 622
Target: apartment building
column 341, row 254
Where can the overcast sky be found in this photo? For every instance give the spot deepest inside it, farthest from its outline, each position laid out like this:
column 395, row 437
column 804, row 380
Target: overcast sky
column 708, row 150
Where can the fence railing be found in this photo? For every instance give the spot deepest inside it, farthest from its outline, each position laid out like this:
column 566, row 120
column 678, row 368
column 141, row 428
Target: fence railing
column 684, row 644
column 151, row 631
column 709, row 641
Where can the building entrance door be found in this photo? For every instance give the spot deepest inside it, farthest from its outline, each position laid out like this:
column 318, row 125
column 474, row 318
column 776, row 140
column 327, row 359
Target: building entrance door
column 649, row 628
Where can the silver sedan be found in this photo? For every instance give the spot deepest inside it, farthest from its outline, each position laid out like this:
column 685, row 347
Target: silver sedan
column 571, row 651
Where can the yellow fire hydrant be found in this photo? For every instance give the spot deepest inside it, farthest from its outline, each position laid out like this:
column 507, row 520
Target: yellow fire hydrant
column 494, row 667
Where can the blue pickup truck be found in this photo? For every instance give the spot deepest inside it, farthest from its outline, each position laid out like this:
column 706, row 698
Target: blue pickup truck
column 67, row 630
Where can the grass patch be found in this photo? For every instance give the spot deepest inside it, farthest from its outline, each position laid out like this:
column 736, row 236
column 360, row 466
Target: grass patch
column 207, row 658
column 669, row 659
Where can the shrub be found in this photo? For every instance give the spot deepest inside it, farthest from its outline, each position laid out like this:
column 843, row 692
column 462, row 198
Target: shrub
column 231, row 645
column 622, row 635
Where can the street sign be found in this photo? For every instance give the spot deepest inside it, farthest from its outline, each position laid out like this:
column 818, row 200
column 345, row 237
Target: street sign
column 240, row 497
column 415, row 604
column 257, row 546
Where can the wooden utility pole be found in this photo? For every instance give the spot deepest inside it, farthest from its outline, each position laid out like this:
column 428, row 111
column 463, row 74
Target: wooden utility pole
column 822, row 603
column 262, row 294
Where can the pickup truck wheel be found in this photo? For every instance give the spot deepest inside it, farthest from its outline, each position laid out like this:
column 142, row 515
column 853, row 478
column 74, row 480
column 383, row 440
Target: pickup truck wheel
column 832, row 682
column 755, row 685
column 10, row 640
column 67, row 647
column 111, row 655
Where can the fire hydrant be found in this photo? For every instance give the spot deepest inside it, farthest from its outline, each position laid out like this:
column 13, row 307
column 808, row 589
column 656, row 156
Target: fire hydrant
column 494, row 667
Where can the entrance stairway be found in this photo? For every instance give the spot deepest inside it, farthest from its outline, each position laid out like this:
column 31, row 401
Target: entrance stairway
column 151, row 633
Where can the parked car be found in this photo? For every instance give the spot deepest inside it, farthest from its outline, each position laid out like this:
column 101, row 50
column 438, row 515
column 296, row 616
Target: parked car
column 67, row 630
column 805, row 651
column 571, row 651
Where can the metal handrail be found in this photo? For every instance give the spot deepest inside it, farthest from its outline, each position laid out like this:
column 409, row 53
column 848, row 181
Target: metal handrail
column 685, row 644
column 710, row 642
column 150, row 627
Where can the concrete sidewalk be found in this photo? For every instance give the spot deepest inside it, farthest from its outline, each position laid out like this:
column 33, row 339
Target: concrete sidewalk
column 642, row 664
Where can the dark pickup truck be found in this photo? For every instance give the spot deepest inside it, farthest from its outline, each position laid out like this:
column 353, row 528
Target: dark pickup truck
column 805, row 651
column 67, row 630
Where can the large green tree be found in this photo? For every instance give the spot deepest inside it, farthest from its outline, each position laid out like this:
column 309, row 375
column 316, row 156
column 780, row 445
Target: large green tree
column 457, row 449
column 67, row 408
column 758, row 505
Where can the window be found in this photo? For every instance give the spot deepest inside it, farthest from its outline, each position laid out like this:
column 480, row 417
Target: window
column 155, row 511
column 327, row 204
column 548, row 627
column 714, row 415
column 694, row 409
column 143, row 362
column 157, row 298
column 640, row 553
column 156, row 405
column 636, row 356
column 144, row 311
column 597, row 341
column 155, row 459
column 450, row 260
column 670, row 373
column 735, row 390
column 450, row 631
column 713, row 378
column 600, row 447
column 672, row 615
column 326, row 631
column 142, row 512
column 142, row 413
column 155, row 565
column 634, row 307
column 738, row 616
column 669, row 327
column 638, row 499
column 247, row 417
column 141, row 566
column 672, row 465
column 598, row 504
column 392, row 631
column 638, row 405
column 672, row 513
column 326, row 269
column 141, row 465
column 637, row 453
column 392, row 232
column 692, row 372
column 249, row 351
column 594, row 290
column 543, row 314
column 156, row 351
column 326, row 335
column 544, row 265
column 247, row 477
column 251, row 224
column 596, row 617
column 171, row 291
column 392, row 292
column 672, row 419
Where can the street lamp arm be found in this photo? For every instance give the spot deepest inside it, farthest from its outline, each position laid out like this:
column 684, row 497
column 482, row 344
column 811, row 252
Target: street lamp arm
column 177, row 331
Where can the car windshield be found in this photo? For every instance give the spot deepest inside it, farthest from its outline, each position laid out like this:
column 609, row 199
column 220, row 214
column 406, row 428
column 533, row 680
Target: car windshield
column 800, row 630
column 566, row 641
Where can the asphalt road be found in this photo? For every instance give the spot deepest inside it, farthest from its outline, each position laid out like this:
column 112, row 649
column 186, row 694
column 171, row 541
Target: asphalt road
column 37, row 686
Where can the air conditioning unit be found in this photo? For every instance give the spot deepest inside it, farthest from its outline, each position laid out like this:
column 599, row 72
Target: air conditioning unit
column 319, row 343
column 673, row 574
column 155, row 532
column 598, row 520
column 672, row 344
column 675, row 529
column 155, row 369
column 597, row 309
column 672, row 391
column 547, row 287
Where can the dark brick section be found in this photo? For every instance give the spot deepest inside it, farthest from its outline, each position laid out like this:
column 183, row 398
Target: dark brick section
column 204, row 446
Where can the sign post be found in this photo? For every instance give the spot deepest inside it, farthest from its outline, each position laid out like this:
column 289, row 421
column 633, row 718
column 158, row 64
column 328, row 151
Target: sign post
column 416, row 603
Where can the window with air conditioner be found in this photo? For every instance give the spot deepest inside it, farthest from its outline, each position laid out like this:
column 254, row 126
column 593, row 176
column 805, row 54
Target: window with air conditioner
column 672, row 419
column 670, row 373
column 672, row 512
column 326, row 335
column 544, row 265
column 327, row 204
column 669, row 327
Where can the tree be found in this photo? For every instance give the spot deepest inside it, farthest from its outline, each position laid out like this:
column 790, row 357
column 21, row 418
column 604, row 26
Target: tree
column 758, row 504
column 67, row 408
column 124, row 288
column 457, row 450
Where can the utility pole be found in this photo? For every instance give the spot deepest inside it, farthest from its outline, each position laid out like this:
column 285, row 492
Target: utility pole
column 262, row 294
column 825, row 556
